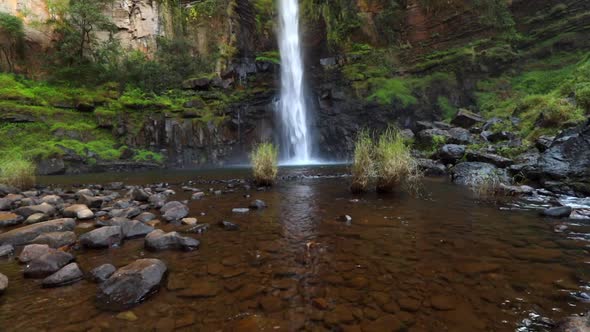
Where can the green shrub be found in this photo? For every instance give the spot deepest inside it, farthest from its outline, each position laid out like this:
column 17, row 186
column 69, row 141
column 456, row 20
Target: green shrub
column 447, row 109
column 264, row 160
column 392, row 90
column 17, row 171
column 362, row 164
column 395, row 163
column 583, row 96
column 145, row 155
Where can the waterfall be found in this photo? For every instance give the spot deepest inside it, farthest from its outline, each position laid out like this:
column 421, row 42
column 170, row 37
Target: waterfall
column 295, row 137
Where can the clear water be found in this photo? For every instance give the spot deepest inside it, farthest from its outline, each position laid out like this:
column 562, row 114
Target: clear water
column 295, row 137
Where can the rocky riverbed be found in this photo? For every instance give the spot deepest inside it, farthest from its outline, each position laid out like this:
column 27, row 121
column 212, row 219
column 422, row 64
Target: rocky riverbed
column 222, row 254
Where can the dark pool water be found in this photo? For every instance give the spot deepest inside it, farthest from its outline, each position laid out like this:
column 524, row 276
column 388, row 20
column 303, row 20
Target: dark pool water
column 443, row 261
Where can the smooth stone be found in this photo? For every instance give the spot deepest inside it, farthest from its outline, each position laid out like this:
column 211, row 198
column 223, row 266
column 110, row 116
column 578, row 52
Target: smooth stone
column 131, row 284
column 9, row 219
column 127, row 315
column 240, row 210
column 558, row 212
column 198, row 196
column 133, row 228
column 3, row 283
column 189, row 221
column 102, row 272
column 140, row 195
column 159, row 240
column 229, row 226
column 146, row 217
column 6, row 250
column 33, row 251
column 345, row 218
column 257, row 205
column 26, row 234
column 47, row 264
column 174, row 210
column 103, row 237
column 52, row 199
column 92, row 201
column 67, row 275
column 35, row 218
column 44, row 208
column 56, row 239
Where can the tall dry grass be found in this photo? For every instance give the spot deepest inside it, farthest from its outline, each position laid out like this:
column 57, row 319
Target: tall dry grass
column 264, row 160
column 363, row 168
column 395, row 164
column 17, row 171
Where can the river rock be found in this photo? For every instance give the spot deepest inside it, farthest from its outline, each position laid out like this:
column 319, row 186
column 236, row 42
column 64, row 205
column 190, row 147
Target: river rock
column 466, row 119
column 240, row 210
column 146, row 217
column 33, row 251
column 67, row 275
column 198, row 195
column 558, row 212
column 103, row 237
column 477, row 173
column 131, row 285
column 451, row 153
column 257, row 205
column 95, row 202
column 229, row 226
column 489, row 158
column 102, row 273
column 79, row 211
column 26, row 234
column 26, row 211
column 139, row 195
column 35, row 218
column 574, row 323
column 159, row 240
column 56, row 239
column 6, row 250
column 52, row 199
column 189, row 221
column 174, row 210
column 134, row 228
column 158, row 200
column 431, row 168
column 9, row 219
column 47, row 264
column 3, row 283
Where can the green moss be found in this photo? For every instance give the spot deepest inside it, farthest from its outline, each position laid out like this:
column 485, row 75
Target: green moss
column 448, row 110
column 393, row 90
column 148, row 156
column 271, row 56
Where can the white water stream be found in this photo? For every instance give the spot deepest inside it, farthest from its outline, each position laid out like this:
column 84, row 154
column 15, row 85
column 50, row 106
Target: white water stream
column 295, row 137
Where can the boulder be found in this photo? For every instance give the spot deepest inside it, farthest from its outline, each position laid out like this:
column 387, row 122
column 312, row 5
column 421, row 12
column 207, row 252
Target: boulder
column 478, row 174
column 56, row 239
column 103, row 237
column 102, row 273
column 459, row 136
column 489, row 158
column 80, row 211
column 3, row 283
column 26, row 211
column 543, row 143
column 158, row 200
column 26, row 234
column 51, row 166
column 94, row 202
column 67, row 275
column 159, row 240
column 84, row 192
column 47, row 264
column 6, row 250
column 451, row 153
column 558, row 212
column 431, row 168
column 52, row 199
column 128, row 213
column 131, row 285
column 10, row 219
column 134, row 228
column 139, row 194
column 146, row 217
column 466, row 119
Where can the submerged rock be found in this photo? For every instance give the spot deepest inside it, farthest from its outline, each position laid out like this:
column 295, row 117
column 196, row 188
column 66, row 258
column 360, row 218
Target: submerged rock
column 131, row 285
column 174, row 210
column 159, row 240
column 6, row 250
column 257, row 205
column 103, row 237
column 240, row 210
column 103, row 272
column 3, row 283
column 27, row 234
column 558, row 212
column 229, row 226
column 67, row 275
column 33, row 251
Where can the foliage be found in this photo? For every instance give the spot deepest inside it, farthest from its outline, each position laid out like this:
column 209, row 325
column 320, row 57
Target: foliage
column 265, row 163
column 362, row 164
column 392, row 90
column 149, row 156
column 340, row 16
column 17, row 171
column 395, row 163
column 447, row 109
column 270, row 56
column 13, row 29
column 205, row 9
column 265, row 16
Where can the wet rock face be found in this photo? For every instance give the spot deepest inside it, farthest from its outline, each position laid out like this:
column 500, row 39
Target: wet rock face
column 131, row 285
column 477, row 173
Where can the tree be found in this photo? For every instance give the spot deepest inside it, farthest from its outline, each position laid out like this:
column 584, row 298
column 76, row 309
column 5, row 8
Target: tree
column 12, row 28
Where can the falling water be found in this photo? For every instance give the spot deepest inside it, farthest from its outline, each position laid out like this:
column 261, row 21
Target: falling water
column 295, row 137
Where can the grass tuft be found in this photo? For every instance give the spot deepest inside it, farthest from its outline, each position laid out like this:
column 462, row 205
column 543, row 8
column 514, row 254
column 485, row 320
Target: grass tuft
column 17, row 171
column 395, row 163
column 362, row 165
column 265, row 163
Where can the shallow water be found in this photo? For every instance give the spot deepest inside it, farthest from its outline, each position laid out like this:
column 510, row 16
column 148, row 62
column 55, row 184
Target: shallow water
column 440, row 262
